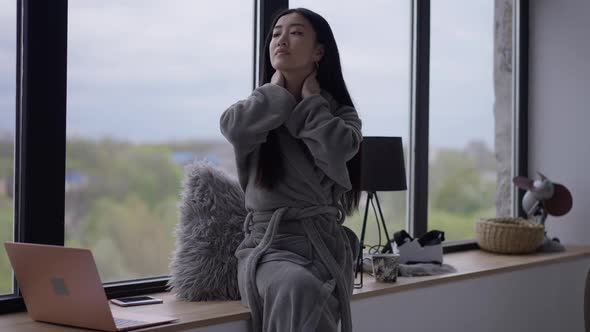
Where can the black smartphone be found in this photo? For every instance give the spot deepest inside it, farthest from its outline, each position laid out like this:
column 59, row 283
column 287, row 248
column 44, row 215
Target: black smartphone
column 135, row 300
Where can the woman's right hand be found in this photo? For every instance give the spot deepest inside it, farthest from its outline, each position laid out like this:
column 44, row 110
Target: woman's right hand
column 278, row 79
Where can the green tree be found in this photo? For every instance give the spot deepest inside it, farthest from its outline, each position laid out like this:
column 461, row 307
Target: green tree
column 6, row 226
column 127, row 211
column 129, row 238
column 461, row 189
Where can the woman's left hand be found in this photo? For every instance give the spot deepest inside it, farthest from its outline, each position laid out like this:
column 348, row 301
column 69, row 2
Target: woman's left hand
column 311, row 86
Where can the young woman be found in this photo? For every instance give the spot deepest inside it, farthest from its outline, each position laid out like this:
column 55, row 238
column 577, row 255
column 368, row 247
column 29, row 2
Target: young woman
column 293, row 138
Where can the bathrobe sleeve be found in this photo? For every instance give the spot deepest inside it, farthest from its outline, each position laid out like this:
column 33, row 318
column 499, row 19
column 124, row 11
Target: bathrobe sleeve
column 332, row 138
column 246, row 123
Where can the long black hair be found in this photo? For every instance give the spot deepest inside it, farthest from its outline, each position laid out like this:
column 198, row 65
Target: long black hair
column 329, row 76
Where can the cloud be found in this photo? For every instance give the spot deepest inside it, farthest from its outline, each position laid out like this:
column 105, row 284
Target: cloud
column 167, row 69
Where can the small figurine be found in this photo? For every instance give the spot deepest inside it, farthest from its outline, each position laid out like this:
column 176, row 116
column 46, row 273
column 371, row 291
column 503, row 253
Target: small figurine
column 543, row 198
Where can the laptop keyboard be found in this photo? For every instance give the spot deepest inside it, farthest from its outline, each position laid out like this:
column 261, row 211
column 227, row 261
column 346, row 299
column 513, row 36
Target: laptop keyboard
column 122, row 323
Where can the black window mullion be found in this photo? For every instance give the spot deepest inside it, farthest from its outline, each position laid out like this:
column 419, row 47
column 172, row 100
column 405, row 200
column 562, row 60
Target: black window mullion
column 418, row 196
column 521, row 93
column 41, row 123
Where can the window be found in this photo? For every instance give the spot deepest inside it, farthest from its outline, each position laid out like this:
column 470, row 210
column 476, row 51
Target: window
column 145, row 93
column 374, row 45
column 463, row 166
column 7, row 134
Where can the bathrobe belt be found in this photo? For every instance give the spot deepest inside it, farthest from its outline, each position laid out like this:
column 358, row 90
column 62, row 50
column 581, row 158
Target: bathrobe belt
column 291, row 213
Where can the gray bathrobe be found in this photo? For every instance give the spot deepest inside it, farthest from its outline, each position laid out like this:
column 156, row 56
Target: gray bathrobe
column 295, row 265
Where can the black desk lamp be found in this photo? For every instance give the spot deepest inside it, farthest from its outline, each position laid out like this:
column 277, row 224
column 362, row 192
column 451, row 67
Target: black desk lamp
column 382, row 168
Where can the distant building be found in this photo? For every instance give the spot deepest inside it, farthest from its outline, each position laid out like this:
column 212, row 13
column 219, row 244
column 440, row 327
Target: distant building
column 76, row 181
column 182, row 157
column 186, row 157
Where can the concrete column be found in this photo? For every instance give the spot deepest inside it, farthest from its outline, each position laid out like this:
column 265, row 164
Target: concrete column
column 503, row 103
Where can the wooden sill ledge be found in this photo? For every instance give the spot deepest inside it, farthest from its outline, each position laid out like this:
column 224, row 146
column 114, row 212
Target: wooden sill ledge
column 469, row 264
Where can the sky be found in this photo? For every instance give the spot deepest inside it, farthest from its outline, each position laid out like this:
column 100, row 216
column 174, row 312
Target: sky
column 155, row 71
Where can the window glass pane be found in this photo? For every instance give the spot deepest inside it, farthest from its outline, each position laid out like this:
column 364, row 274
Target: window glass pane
column 7, row 133
column 463, row 165
column 374, row 44
column 147, row 83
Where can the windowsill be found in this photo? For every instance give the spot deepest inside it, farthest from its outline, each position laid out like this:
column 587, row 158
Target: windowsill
column 469, row 264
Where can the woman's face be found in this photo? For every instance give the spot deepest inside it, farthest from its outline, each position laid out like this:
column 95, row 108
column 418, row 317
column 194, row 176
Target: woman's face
column 293, row 45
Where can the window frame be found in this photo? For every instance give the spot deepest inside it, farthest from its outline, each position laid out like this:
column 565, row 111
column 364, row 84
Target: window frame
column 419, row 129
column 40, row 140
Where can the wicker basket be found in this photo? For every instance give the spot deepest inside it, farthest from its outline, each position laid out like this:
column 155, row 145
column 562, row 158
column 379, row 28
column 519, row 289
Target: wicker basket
column 509, row 235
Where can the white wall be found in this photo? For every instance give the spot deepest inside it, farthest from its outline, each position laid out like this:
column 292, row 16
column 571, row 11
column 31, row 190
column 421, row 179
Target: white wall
column 559, row 107
column 547, row 298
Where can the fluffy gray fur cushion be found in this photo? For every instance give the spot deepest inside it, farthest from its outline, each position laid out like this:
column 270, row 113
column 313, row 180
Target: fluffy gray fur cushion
column 211, row 215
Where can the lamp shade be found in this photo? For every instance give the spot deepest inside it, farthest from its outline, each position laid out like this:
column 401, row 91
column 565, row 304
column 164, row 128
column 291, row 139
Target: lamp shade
column 382, row 164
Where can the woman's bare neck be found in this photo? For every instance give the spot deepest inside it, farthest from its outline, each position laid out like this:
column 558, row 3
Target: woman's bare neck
column 294, row 82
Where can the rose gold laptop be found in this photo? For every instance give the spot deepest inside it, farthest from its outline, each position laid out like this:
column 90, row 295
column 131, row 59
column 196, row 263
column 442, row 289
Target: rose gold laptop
column 61, row 285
